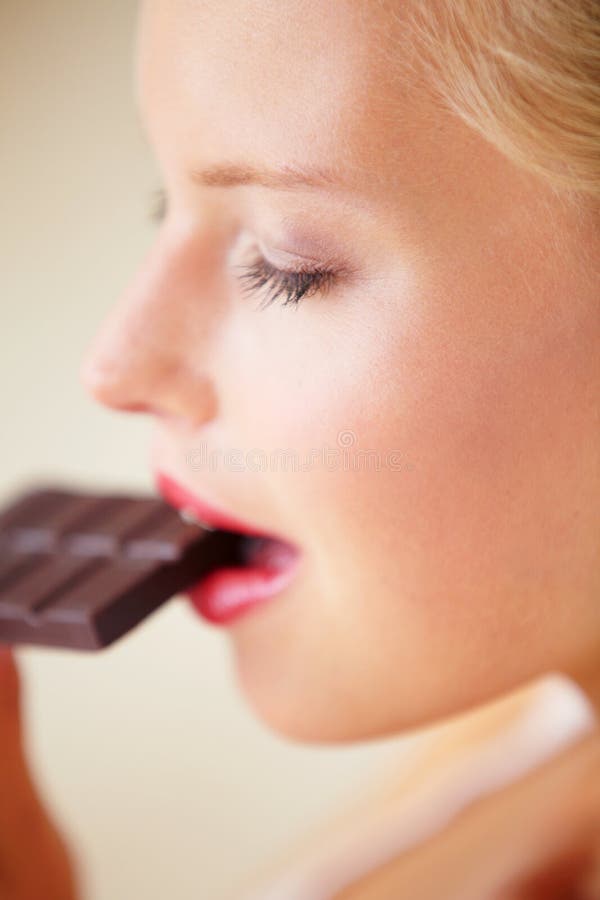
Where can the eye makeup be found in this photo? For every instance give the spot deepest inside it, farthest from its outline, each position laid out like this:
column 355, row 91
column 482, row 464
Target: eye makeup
column 289, row 287
column 306, row 276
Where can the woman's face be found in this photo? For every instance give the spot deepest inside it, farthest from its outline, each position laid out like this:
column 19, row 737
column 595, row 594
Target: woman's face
column 437, row 399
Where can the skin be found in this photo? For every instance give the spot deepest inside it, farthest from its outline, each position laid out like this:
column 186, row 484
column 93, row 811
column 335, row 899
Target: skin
column 533, row 841
column 34, row 861
column 463, row 337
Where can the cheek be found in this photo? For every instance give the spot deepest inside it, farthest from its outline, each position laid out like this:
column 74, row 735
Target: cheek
column 464, row 465
column 469, row 523
column 451, row 426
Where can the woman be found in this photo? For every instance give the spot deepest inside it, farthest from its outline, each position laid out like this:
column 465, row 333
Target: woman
column 380, row 258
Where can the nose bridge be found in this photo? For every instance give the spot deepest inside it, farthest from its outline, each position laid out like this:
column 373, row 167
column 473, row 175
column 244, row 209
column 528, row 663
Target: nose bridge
column 152, row 351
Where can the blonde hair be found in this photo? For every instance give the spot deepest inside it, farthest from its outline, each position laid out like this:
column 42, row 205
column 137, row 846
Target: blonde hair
column 526, row 75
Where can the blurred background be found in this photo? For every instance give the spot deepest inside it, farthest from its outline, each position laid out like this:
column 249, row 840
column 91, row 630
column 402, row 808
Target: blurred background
column 160, row 775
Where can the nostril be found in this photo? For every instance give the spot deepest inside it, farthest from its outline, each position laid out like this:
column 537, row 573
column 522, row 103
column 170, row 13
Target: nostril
column 140, row 376
column 137, row 407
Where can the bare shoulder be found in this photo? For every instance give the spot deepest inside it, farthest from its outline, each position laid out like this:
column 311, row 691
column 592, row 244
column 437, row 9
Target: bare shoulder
column 451, row 780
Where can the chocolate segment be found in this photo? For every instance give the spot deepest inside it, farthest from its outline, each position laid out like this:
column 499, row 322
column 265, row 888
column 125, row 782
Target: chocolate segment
column 79, row 570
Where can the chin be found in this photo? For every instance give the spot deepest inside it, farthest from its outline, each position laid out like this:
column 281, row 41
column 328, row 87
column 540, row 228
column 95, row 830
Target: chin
column 302, row 718
column 299, row 726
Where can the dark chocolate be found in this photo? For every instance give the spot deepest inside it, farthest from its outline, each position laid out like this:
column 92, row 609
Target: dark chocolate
column 79, row 570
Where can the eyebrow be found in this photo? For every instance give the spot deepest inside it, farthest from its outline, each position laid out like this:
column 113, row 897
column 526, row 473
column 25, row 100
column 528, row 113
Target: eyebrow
column 287, row 177
column 284, row 177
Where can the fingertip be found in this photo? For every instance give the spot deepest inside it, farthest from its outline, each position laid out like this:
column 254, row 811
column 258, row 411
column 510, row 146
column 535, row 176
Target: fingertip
column 7, row 659
column 9, row 675
column 6, row 655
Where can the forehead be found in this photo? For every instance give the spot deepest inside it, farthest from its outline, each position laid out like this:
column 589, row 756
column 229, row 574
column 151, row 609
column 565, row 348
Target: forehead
column 270, row 83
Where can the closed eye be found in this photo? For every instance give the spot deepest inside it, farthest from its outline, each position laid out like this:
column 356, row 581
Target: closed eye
column 287, row 286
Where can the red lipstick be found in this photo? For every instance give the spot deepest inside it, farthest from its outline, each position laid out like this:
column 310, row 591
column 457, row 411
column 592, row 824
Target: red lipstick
column 183, row 499
column 269, row 565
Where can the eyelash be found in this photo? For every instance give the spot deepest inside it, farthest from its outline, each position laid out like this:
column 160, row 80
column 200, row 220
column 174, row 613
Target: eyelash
column 287, row 286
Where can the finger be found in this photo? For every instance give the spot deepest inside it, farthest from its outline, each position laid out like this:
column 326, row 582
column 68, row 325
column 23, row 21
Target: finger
column 18, row 802
column 10, row 706
column 9, row 676
column 34, row 861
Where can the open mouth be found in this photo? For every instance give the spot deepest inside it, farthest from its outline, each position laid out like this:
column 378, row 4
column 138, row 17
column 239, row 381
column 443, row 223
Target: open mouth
column 246, row 568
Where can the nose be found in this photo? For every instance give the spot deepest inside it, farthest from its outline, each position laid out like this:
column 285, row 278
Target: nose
column 151, row 354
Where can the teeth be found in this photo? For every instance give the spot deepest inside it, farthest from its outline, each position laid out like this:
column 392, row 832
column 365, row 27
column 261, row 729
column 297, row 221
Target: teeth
column 189, row 516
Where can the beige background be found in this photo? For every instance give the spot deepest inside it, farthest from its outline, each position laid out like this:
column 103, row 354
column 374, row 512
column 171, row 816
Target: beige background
column 163, row 777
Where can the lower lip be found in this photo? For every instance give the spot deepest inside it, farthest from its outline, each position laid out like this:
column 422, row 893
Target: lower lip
column 227, row 594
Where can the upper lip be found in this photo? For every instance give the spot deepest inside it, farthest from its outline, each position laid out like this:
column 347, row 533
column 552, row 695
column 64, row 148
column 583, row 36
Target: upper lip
column 181, row 498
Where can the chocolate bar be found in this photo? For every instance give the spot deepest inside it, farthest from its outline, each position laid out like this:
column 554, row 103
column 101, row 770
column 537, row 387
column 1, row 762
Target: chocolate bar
column 79, row 570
